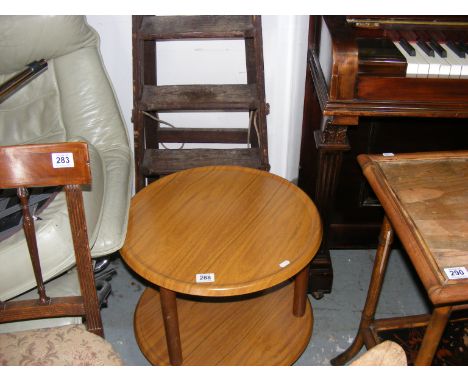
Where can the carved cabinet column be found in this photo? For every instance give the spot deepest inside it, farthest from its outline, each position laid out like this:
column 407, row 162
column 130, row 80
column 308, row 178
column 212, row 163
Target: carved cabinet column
column 330, row 141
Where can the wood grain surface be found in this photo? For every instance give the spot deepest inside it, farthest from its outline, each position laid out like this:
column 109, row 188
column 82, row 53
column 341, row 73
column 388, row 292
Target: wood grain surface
column 425, row 196
column 264, row 331
column 20, row 165
column 176, row 27
column 250, row 228
column 435, row 195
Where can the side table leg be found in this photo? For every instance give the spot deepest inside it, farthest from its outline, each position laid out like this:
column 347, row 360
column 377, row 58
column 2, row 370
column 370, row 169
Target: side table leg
column 300, row 292
column 373, row 293
column 432, row 336
column 171, row 325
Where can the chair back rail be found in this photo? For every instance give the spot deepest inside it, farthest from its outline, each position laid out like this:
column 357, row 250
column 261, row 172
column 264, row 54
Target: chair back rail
column 32, row 166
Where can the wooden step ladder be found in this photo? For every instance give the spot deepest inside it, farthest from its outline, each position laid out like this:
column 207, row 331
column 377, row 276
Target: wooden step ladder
column 152, row 159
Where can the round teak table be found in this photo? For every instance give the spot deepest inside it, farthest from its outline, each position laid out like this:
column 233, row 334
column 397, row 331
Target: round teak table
column 228, row 250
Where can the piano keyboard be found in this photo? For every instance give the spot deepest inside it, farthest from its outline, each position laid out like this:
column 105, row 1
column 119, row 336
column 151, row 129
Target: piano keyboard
column 422, row 65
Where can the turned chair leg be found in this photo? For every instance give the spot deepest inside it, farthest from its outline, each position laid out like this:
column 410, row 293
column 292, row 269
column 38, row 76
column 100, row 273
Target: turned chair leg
column 373, row 293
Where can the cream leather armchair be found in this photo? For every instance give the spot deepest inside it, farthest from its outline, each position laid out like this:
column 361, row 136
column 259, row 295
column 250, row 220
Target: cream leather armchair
column 72, row 100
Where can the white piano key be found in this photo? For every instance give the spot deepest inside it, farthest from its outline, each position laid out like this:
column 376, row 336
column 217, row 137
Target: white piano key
column 411, row 62
column 423, row 65
column 440, row 63
column 445, row 67
column 455, row 62
column 434, row 63
column 464, row 71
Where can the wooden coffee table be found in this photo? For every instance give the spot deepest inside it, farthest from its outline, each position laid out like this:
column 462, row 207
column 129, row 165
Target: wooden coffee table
column 227, row 249
column 425, row 198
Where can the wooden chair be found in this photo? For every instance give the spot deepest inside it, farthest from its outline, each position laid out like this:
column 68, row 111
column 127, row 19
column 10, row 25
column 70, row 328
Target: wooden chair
column 67, row 165
column 72, row 100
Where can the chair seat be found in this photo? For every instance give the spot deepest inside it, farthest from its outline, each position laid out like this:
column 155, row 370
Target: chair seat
column 70, row 345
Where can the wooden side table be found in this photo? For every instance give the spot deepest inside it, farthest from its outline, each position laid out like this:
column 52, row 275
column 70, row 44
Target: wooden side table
column 227, row 240
column 425, row 198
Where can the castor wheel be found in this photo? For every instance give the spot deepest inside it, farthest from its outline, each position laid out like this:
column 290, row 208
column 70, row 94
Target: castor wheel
column 317, row 295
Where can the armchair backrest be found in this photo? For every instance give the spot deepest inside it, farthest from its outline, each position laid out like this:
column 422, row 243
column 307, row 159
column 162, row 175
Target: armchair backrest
column 62, row 100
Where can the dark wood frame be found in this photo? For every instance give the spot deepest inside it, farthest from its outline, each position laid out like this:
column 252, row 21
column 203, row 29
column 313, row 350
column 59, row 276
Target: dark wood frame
column 334, row 106
column 28, row 166
column 150, row 161
column 445, row 296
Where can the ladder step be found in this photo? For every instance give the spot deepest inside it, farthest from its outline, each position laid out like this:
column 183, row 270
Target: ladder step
column 202, row 135
column 199, row 97
column 161, row 162
column 195, row 27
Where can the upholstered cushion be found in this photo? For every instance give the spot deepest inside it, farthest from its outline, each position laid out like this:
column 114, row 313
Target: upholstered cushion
column 70, row 345
column 27, row 38
column 387, row 353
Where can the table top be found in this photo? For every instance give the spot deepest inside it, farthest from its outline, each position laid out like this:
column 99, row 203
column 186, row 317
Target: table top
column 425, row 196
column 248, row 229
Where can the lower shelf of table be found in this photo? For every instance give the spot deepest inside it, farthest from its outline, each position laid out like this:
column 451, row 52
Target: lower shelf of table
column 409, row 332
column 258, row 329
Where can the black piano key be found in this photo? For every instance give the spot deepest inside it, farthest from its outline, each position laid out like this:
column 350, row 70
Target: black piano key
column 464, row 47
column 456, row 49
column 438, row 48
column 407, row 47
column 425, row 48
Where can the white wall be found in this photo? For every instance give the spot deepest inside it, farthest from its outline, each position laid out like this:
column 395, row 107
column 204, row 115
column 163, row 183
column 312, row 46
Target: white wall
column 285, row 54
column 285, row 48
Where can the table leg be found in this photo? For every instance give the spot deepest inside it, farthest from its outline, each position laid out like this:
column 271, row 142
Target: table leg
column 432, row 336
column 300, row 292
column 373, row 293
column 171, row 325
